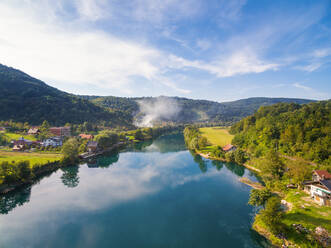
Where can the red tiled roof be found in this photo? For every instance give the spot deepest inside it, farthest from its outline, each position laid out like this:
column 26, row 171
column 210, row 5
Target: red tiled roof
column 323, row 173
column 86, row 136
column 227, row 147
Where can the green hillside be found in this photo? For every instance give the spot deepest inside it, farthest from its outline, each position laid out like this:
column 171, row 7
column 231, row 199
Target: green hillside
column 26, row 99
column 292, row 129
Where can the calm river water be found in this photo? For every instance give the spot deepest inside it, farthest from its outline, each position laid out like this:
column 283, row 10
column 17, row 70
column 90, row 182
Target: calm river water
column 153, row 195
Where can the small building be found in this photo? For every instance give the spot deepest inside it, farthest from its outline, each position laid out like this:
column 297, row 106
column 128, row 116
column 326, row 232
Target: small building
column 18, row 148
column 321, row 192
column 229, row 148
column 86, row 136
column 92, row 146
column 22, row 141
column 320, row 175
column 34, row 131
column 3, row 129
column 60, row 131
column 54, row 142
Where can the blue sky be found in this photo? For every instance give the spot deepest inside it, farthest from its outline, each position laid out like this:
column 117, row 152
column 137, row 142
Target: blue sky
column 208, row 49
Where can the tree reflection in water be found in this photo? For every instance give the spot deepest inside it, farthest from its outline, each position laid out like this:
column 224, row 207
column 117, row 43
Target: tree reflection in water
column 218, row 164
column 239, row 170
column 14, row 199
column 70, row 176
column 199, row 160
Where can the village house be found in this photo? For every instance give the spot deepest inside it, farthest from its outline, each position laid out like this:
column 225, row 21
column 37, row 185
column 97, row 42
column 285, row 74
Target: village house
column 60, row 131
column 54, row 142
column 2, row 129
column 86, row 136
column 229, row 148
column 320, row 187
column 34, row 131
column 320, row 175
column 92, row 146
column 21, row 144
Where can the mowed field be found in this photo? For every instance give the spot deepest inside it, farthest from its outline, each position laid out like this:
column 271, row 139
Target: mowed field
column 217, row 136
column 15, row 136
column 33, row 157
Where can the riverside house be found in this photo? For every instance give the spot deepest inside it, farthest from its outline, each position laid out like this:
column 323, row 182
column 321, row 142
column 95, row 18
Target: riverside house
column 320, row 187
column 229, row 148
column 92, row 146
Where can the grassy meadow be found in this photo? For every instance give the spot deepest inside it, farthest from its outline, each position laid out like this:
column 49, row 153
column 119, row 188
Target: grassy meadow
column 33, row 157
column 217, row 136
column 14, row 136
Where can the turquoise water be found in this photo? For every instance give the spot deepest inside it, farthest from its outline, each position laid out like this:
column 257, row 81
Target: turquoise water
column 153, row 195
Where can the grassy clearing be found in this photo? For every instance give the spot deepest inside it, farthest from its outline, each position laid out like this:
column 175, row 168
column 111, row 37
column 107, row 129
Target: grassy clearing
column 217, row 136
column 307, row 212
column 33, row 157
column 15, row 136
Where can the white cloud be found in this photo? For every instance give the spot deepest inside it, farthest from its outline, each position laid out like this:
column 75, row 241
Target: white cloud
column 309, row 68
column 240, row 62
column 54, row 53
column 300, row 86
column 321, row 53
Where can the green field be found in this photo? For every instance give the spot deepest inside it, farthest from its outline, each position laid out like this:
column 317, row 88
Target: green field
column 15, row 136
column 217, row 136
column 33, row 157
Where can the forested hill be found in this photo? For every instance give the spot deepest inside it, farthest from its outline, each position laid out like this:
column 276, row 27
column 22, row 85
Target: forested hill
column 292, row 129
column 26, row 99
column 195, row 110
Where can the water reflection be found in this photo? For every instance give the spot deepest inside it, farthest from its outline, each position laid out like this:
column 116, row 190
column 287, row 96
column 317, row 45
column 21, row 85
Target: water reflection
column 70, row 176
column 104, row 161
column 159, row 195
column 236, row 169
column 218, row 164
column 10, row 201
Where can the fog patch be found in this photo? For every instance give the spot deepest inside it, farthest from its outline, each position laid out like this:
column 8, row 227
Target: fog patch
column 156, row 110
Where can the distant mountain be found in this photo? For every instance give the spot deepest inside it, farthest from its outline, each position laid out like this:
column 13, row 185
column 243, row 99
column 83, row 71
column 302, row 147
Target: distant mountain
column 26, row 99
column 190, row 110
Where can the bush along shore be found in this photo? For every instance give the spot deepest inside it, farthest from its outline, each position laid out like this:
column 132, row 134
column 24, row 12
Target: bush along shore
column 17, row 173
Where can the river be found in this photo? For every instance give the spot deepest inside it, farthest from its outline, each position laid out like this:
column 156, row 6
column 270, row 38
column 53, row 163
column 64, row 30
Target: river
column 155, row 194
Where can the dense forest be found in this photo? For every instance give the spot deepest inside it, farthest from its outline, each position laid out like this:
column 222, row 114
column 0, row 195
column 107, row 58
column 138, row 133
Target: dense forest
column 291, row 129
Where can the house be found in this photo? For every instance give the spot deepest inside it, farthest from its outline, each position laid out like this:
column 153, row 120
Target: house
column 54, row 142
column 320, row 175
column 92, row 146
column 86, row 136
column 320, row 191
column 60, row 131
column 320, row 187
column 34, row 131
column 22, row 141
column 21, row 144
column 18, row 148
column 229, row 148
